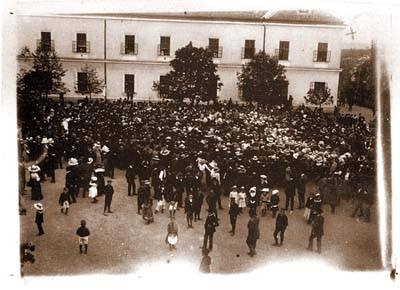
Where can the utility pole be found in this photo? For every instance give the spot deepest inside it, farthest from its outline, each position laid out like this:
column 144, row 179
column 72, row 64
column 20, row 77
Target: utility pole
column 105, row 59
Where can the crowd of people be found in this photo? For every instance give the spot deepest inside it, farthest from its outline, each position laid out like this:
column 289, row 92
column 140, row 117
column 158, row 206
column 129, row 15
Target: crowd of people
column 182, row 154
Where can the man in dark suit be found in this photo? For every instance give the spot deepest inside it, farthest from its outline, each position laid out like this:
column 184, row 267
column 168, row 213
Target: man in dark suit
column 281, row 224
column 209, row 230
column 130, row 179
column 189, row 210
column 108, row 194
column 317, row 231
column 233, row 213
column 253, row 233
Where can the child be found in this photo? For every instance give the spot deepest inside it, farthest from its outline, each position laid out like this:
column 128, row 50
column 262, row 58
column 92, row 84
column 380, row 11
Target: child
column 39, row 217
column 93, row 189
column 83, row 233
column 242, row 199
column 64, row 201
column 172, row 234
column 265, row 201
column 148, row 211
column 274, row 202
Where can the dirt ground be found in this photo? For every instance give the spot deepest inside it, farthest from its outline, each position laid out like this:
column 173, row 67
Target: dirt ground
column 121, row 243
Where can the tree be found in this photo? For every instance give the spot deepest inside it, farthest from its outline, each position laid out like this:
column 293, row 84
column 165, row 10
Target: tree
column 319, row 97
column 263, row 80
column 193, row 75
column 48, row 70
column 357, row 81
column 45, row 76
column 92, row 84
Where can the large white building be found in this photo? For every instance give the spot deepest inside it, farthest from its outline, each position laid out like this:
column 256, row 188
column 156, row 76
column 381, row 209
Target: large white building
column 131, row 51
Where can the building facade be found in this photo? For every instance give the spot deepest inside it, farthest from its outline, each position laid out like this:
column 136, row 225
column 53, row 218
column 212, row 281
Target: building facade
column 132, row 51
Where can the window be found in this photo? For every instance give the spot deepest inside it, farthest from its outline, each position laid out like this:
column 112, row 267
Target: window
column 82, row 82
column 81, row 43
column 130, row 46
column 249, row 48
column 283, row 50
column 164, row 45
column 319, row 87
column 322, row 52
column 164, row 87
column 129, row 84
column 45, row 40
column 213, row 45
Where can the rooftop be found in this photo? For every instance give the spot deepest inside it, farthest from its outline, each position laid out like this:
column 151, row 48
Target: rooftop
column 282, row 16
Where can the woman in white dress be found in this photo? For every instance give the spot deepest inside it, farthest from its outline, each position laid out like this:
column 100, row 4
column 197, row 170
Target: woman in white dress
column 93, row 189
column 242, row 199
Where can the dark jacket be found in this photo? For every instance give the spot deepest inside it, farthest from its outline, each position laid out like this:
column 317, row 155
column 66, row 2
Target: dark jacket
column 211, row 223
column 253, row 229
column 64, row 196
column 234, row 210
column 83, row 231
column 281, row 221
column 189, row 206
column 108, row 192
column 39, row 217
column 318, row 226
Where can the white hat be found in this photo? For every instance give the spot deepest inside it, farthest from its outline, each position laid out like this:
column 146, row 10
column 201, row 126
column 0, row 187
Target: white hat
column 263, row 176
column 94, row 178
column 105, row 149
column 265, row 190
column 275, row 191
column 34, row 168
column 73, row 161
column 38, row 206
column 90, row 160
column 213, row 164
column 45, row 140
column 165, row 152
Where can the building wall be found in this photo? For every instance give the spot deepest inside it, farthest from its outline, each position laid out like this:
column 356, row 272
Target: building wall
column 147, row 66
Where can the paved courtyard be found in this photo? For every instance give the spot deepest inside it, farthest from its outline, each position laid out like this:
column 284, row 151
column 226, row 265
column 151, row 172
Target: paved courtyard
column 121, row 243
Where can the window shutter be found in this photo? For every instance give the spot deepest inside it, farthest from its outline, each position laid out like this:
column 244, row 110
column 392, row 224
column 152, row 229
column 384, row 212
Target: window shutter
column 76, row 82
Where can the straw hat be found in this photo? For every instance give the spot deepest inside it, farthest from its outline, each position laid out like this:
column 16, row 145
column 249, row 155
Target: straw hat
column 38, row 206
column 33, row 168
column 73, row 161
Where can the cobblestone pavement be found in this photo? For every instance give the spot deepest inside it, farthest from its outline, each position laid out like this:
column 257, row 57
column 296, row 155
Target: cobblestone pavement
column 122, row 243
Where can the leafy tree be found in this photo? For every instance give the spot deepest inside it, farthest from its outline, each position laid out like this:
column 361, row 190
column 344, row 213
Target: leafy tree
column 263, row 79
column 94, row 84
column 48, row 69
column 193, row 75
column 319, row 97
column 45, row 76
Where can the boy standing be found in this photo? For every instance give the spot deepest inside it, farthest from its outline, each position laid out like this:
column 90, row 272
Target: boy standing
column 64, row 201
column 83, row 233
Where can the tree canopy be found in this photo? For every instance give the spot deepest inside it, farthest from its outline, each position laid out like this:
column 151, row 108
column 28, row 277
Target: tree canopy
column 263, row 80
column 92, row 84
column 193, row 76
column 319, row 97
column 45, row 76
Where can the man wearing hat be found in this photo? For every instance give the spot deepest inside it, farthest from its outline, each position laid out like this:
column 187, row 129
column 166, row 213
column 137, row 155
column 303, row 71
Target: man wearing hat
column 72, row 178
column 209, row 230
column 130, row 175
column 108, row 194
column 39, row 218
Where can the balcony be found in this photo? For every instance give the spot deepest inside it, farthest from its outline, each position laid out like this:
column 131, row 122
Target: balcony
column 163, row 51
column 248, row 52
column 47, row 45
column 216, row 51
column 129, row 49
column 321, row 56
column 80, row 46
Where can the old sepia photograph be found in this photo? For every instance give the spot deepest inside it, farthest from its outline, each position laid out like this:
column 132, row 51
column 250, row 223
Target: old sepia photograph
column 215, row 138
